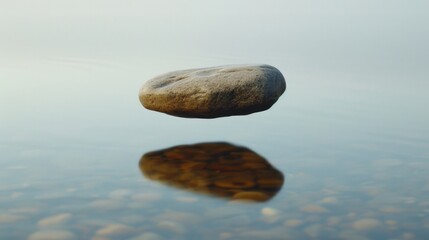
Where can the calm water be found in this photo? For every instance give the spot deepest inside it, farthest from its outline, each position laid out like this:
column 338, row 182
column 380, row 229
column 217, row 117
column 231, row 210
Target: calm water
column 348, row 141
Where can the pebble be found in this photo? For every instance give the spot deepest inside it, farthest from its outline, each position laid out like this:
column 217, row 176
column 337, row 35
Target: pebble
column 366, row 224
column 52, row 235
column 215, row 91
column 54, row 220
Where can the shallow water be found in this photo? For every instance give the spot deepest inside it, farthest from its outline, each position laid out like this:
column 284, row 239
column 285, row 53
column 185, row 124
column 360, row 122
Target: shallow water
column 349, row 136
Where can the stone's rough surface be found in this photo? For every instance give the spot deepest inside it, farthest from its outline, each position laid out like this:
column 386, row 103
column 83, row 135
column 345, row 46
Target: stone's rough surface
column 217, row 169
column 214, row 92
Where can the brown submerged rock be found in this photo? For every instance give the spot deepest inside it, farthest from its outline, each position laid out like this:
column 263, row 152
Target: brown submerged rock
column 218, row 169
column 214, row 92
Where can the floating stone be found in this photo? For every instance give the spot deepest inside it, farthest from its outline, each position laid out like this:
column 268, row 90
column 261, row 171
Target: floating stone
column 214, row 92
column 217, row 169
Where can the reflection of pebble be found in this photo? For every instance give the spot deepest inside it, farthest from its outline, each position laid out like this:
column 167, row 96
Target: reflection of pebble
column 366, row 224
column 293, row 223
column 115, row 229
column 10, row 218
column 56, row 219
column 255, row 196
column 51, row 235
column 314, row 209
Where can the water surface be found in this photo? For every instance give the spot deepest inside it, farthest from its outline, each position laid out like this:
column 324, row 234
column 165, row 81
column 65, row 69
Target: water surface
column 349, row 136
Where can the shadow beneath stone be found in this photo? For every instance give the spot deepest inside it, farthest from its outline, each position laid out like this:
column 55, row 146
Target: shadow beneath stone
column 216, row 169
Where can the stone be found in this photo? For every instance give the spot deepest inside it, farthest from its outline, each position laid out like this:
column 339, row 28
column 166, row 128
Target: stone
column 215, row 91
column 218, row 169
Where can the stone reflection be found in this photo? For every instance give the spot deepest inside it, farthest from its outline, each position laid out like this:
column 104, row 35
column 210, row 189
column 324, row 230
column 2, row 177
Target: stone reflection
column 218, row 169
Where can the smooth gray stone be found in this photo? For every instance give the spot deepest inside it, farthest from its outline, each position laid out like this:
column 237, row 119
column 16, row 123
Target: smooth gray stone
column 214, row 92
